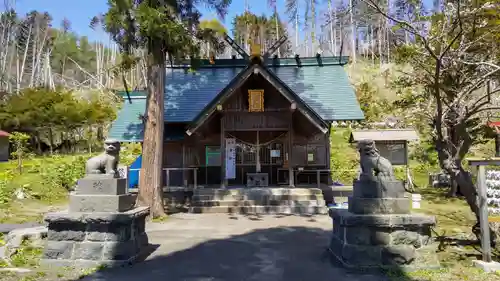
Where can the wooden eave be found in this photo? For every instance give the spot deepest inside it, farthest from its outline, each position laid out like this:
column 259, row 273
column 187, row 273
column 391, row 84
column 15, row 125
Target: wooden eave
column 239, row 80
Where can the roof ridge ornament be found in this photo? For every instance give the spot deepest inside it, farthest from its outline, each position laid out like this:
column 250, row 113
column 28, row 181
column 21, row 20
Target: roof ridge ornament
column 256, row 56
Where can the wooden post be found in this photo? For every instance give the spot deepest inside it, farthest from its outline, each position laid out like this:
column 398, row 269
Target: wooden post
column 483, row 214
column 223, row 180
column 481, row 163
column 497, row 144
column 328, row 143
column 291, row 178
column 167, row 175
column 318, row 178
column 184, row 180
column 195, row 178
column 257, row 154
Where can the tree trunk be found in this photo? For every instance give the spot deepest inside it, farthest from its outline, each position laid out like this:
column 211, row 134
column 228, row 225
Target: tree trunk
column 463, row 179
column 51, row 140
column 150, row 184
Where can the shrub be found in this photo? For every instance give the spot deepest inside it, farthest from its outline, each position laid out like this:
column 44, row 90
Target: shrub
column 6, row 189
column 63, row 172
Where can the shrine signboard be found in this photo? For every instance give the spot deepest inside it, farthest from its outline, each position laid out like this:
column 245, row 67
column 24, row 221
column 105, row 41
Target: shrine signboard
column 230, row 158
column 255, row 100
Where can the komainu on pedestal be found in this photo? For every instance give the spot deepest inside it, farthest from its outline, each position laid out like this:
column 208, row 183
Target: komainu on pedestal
column 101, row 227
column 378, row 228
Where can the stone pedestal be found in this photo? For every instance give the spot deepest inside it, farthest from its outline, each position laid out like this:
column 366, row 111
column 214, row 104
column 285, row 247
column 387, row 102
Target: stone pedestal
column 378, row 229
column 101, row 226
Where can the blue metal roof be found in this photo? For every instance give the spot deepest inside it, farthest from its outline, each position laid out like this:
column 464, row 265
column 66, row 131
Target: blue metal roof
column 323, row 86
column 325, row 89
column 187, row 93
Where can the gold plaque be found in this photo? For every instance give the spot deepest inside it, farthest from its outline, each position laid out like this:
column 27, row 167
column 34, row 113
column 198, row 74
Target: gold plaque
column 255, row 49
column 255, row 100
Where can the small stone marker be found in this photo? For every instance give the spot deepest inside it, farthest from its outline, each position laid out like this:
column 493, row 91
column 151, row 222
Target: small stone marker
column 101, row 226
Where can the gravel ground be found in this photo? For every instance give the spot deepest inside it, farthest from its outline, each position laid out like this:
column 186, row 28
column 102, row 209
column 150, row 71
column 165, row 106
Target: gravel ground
column 219, row 247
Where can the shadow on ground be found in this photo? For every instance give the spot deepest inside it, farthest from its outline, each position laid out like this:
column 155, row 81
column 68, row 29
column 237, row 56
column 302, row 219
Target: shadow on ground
column 278, row 253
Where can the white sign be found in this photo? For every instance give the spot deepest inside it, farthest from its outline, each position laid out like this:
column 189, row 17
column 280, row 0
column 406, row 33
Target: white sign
column 275, row 153
column 310, row 157
column 123, row 171
column 230, row 158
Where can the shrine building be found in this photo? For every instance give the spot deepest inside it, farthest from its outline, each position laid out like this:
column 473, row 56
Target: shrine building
column 247, row 122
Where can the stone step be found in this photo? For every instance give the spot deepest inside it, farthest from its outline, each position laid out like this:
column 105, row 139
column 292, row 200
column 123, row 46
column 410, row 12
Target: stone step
column 260, row 210
column 264, row 191
column 234, row 203
column 257, row 197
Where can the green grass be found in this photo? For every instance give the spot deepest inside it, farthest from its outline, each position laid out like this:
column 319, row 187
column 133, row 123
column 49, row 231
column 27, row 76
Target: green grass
column 454, row 221
column 46, row 181
column 454, row 218
column 42, row 196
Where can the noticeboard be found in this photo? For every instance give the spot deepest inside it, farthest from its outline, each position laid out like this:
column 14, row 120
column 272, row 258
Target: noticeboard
column 393, row 151
column 212, row 156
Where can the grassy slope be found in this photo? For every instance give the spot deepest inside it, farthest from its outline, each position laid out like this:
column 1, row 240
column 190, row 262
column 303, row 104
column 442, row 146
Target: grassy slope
column 42, row 197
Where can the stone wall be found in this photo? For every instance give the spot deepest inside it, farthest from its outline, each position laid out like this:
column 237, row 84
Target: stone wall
column 378, row 228
column 95, row 239
column 377, row 240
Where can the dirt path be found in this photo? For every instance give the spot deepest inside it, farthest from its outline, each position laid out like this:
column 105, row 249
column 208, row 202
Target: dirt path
column 233, row 248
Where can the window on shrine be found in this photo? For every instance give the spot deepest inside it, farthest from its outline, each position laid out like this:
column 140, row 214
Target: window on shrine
column 255, row 100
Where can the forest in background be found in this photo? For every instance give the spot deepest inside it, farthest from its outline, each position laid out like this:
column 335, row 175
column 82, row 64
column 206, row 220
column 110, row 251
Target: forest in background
column 41, row 52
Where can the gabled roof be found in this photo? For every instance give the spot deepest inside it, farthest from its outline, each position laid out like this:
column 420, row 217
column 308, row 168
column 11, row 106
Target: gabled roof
column 271, row 78
column 321, row 83
column 327, row 90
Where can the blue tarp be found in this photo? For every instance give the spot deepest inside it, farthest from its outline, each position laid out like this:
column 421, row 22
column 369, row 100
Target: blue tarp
column 133, row 175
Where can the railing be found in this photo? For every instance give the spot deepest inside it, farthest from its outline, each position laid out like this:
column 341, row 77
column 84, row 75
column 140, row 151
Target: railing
column 297, row 171
column 167, row 175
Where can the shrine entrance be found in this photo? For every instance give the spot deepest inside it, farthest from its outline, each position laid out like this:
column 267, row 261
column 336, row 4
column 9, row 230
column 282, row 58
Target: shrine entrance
column 258, row 153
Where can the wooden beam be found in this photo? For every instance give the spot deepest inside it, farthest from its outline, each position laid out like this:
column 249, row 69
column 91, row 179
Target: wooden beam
column 230, row 128
column 478, row 161
column 236, row 47
column 275, row 47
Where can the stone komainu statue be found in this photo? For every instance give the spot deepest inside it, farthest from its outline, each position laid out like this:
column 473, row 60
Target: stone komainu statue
column 373, row 165
column 106, row 162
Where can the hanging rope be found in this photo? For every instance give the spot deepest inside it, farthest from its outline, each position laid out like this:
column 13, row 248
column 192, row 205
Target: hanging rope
column 255, row 144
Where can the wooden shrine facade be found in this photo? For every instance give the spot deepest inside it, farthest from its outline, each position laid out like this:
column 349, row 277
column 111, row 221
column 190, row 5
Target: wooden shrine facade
column 273, row 134
column 254, row 121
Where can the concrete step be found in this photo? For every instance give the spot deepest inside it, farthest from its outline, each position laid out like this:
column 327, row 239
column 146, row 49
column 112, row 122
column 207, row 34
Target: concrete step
column 260, row 210
column 257, row 197
column 234, row 203
column 260, row 191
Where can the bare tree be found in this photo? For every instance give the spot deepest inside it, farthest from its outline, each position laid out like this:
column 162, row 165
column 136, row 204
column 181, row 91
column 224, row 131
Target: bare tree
column 455, row 62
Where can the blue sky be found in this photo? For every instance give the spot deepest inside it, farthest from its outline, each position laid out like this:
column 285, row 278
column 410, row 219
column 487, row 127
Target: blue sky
column 80, row 12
